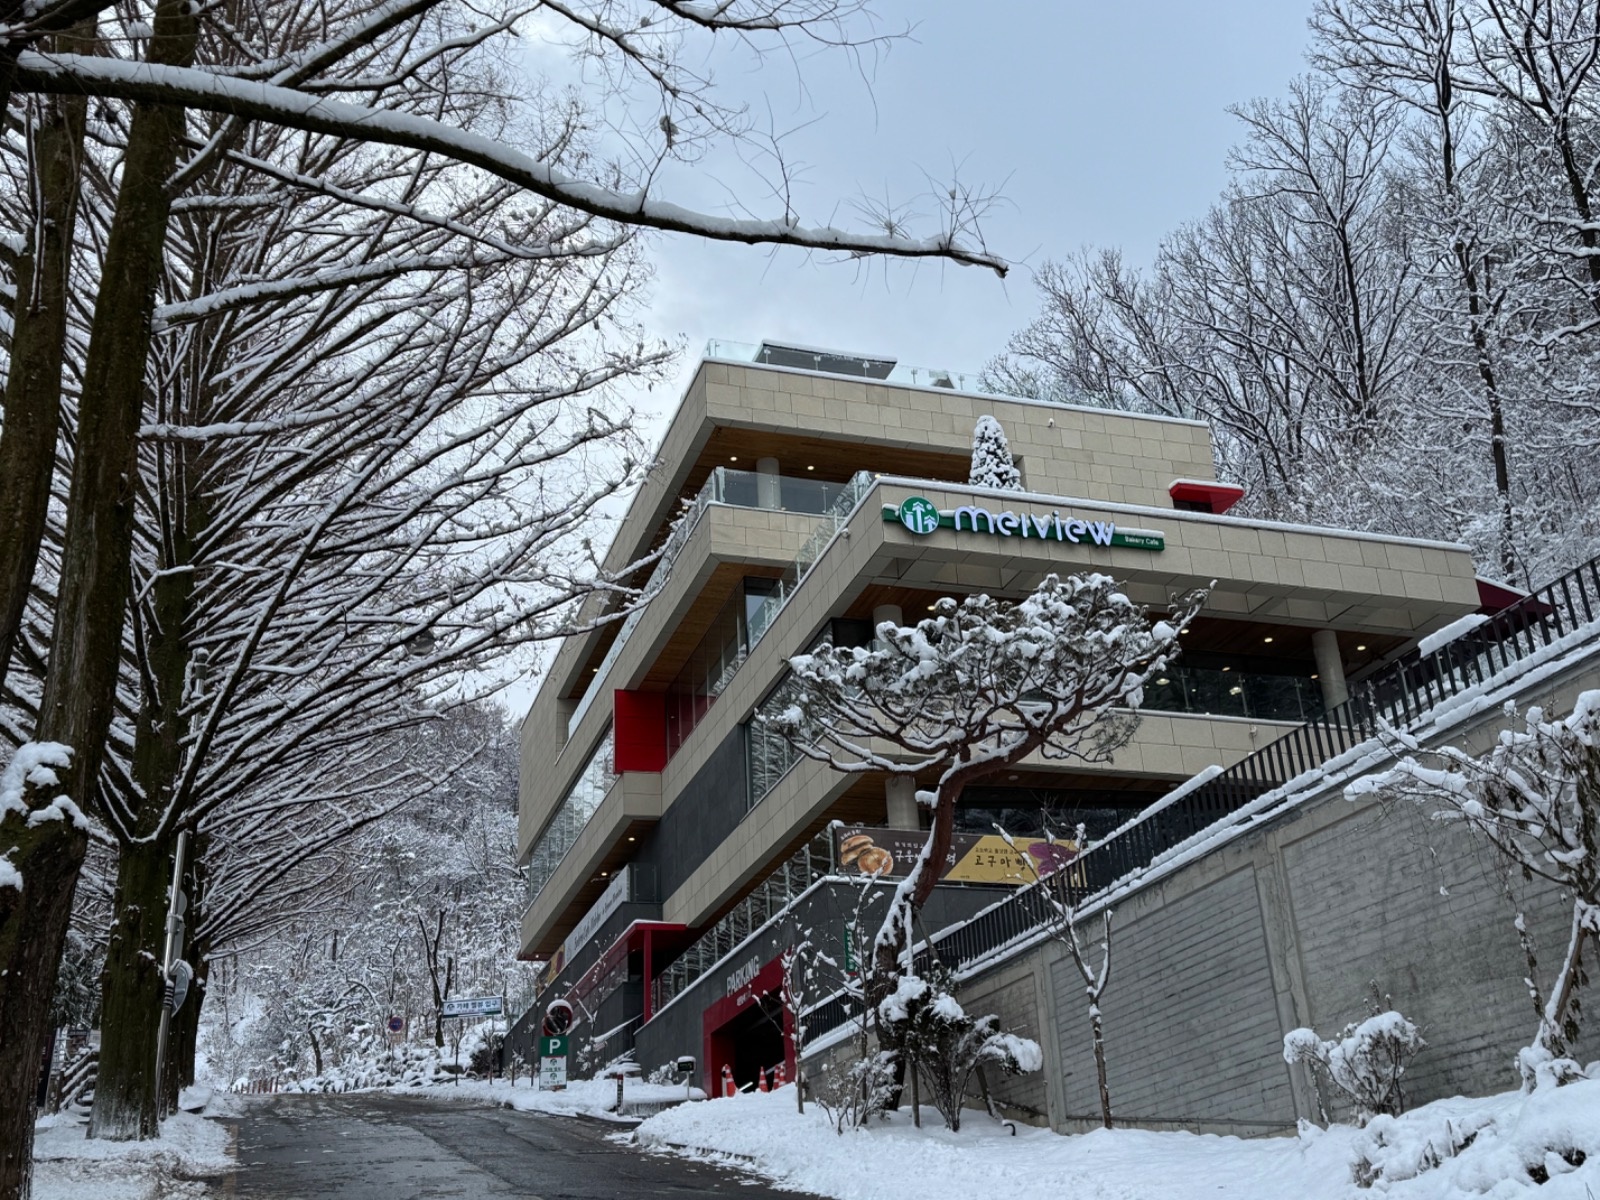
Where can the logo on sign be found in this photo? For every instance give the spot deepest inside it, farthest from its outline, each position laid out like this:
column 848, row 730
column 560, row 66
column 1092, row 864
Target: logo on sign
column 919, row 515
column 743, row 975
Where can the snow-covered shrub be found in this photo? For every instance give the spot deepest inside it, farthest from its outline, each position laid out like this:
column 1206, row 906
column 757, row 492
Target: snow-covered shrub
column 992, row 465
column 1366, row 1061
column 944, row 1045
column 1500, row 1146
column 852, row 1095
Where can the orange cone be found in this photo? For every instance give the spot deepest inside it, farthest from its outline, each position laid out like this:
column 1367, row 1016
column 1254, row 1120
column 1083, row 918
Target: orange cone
column 761, row 1080
column 727, row 1080
column 783, row 1074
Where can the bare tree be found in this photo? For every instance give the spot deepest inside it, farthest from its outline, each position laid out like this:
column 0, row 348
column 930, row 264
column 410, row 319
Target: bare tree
column 281, row 66
column 1535, row 797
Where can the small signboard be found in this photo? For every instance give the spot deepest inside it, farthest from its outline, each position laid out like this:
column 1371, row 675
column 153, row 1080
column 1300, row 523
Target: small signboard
column 553, row 1073
column 553, row 1062
column 973, row 858
column 397, row 1024
column 472, row 1006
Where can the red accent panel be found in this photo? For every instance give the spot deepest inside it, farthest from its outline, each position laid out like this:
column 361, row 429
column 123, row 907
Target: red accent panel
column 1220, row 496
column 1495, row 597
column 639, row 729
column 718, row 1046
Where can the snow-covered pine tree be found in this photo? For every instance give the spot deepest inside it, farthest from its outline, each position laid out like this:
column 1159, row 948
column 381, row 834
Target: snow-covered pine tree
column 992, row 465
column 964, row 694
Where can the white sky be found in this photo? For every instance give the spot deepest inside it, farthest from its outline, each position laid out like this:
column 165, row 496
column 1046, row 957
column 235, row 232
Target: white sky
column 1102, row 124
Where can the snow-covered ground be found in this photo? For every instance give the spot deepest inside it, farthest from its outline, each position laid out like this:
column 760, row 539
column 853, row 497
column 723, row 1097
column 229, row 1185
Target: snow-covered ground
column 69, row 1166
column 595, row 1098
column 1514, row 1142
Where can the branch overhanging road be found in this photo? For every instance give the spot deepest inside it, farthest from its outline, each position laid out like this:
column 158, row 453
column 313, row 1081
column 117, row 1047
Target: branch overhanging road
column 380, row 1146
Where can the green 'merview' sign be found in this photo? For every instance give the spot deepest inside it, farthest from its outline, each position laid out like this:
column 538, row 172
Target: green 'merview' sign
column 921, row 517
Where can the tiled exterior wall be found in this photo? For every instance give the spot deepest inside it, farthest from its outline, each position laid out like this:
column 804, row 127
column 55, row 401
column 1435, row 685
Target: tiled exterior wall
column 1292, row 925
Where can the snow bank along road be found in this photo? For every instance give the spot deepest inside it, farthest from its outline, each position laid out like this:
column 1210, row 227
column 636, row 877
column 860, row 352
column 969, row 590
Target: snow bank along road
column 378, row 1146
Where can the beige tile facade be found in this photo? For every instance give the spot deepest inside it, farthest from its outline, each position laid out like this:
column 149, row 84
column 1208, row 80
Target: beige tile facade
column 1090, row 464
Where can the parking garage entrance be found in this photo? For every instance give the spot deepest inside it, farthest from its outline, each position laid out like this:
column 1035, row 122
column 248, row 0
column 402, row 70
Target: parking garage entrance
column 748, row 1029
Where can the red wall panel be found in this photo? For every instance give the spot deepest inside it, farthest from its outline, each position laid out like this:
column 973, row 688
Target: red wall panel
column 639, row 731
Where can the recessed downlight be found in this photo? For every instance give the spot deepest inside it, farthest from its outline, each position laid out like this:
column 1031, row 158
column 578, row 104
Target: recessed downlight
column 1360, row 647
column 1266, row 639
column 733, row 458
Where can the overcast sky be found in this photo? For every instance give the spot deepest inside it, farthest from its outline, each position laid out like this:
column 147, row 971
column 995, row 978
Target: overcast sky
column 1102, row 124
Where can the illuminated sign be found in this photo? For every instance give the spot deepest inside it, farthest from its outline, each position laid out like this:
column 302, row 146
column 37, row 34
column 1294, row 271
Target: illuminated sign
column 921, row 517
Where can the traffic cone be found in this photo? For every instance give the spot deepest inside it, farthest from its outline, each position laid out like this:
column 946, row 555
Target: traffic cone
column 727, row 1080
column 761, row 1080
column 783, row 1074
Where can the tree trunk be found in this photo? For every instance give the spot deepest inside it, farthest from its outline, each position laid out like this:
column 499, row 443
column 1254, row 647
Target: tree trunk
column 125, row 1093
column 33, row 388
column 33, row 929
column 86, row 643
column 1100, row 1064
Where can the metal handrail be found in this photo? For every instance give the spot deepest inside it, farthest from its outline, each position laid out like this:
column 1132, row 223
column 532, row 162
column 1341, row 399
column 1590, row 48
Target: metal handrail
column 1402, row 695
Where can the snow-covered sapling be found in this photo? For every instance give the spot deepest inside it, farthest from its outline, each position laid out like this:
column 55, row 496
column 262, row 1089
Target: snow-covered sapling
column 1535, row 796
column 992, row 464
column 1053, row 879
column 1366, row 1061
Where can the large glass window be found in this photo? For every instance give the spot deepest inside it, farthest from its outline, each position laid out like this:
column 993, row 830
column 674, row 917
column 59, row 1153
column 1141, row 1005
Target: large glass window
column 1221, row 692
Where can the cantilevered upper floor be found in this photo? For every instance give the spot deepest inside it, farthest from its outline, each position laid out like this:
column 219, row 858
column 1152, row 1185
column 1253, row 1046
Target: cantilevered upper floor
column 809, row 496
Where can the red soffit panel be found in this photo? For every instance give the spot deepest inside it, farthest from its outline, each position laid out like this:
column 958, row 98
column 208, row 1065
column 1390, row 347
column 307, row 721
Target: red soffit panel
column 1220, row 497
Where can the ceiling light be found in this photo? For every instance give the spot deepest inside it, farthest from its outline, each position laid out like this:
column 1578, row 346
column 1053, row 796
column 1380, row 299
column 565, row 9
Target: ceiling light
column 1235, row 690
column 1227, row 668
column 1013, row 775
column 630, row 839
column 1266, row 639
column 602, row 874
column 1313, row 677
column 1360, row 647
column 931, row 607
column 733, row 458
column 1162, row 682
column 811, row 468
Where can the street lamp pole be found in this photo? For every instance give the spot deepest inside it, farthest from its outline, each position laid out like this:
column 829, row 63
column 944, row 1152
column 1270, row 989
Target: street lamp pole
column 175, row 906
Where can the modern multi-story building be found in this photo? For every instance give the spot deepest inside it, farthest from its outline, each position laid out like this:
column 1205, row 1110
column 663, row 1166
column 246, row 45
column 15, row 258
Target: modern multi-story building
column 802, row 495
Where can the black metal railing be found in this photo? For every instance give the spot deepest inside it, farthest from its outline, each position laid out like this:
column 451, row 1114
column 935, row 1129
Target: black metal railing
column 1400, row 695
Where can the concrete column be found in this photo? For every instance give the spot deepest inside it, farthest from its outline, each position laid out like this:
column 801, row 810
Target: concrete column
column 900, row 802
column 769, row 493
column 1330, row 668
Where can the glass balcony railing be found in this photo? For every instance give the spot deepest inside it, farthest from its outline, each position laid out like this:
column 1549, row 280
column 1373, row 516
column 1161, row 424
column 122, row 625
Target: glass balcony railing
column 739, row 489
column 570, row 818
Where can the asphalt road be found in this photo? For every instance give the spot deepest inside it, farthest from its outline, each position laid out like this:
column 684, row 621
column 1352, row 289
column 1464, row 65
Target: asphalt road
column 382, row 1147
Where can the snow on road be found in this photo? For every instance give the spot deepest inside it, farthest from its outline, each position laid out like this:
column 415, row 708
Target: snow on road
column 1520, row 1140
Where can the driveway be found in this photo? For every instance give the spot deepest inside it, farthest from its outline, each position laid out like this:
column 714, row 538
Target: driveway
column 376, row 1146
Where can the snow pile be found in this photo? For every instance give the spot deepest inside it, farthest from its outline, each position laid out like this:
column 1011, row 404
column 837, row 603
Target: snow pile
column 594, row 1098
column 1546, row 1143
column 69, row 1166
column 1503, row 1146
